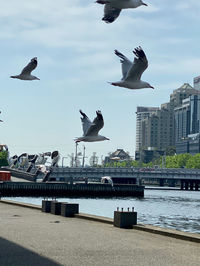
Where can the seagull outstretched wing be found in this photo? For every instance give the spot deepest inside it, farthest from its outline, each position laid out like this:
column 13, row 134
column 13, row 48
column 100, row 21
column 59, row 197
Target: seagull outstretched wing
column 139, row 65
column 110, row 13
column 30, row 67
column 96, row 125
column 126, row 64
column 86, row 123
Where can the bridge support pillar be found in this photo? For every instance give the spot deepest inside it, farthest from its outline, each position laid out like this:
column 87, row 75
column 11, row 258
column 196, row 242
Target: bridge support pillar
column 186, row 185
column 161, row 182
column 191, row 185
column 182, row 184
column 196, row 185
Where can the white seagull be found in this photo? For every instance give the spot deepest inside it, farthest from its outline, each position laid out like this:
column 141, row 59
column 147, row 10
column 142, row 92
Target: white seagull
column 132, row 72
column 26, row 72
column 91, row 129
column 113, row 8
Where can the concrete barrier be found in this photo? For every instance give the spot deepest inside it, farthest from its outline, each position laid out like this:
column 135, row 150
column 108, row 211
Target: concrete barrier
column 56, row 207
column 69, row 209
column 46, row 205
column 125, row 219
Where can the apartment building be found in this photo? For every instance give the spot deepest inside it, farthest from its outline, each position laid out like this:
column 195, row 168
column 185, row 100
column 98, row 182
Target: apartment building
column 171, row 123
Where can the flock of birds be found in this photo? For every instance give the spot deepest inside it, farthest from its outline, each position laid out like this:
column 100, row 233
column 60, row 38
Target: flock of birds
column 131, row 71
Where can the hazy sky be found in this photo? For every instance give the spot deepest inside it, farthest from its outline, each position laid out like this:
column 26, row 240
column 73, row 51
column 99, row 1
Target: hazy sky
column 75, row 61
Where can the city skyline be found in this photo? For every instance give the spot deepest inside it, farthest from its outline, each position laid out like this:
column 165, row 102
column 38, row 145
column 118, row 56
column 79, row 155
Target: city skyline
column 75, row 62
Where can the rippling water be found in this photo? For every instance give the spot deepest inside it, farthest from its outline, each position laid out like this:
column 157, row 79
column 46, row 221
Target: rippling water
column 173, row 209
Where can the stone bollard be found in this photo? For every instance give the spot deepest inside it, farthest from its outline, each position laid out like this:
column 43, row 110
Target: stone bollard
column 125, row 219
column 56, row 207
column 69, row 209
column 46, row 205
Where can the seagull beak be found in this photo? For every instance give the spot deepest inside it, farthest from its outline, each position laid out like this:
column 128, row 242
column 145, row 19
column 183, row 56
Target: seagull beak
column 144, row 4
column 107, row 139
column 152, row 87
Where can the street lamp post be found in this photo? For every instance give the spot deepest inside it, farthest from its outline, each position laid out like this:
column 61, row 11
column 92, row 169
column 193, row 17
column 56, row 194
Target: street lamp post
column 63, row 160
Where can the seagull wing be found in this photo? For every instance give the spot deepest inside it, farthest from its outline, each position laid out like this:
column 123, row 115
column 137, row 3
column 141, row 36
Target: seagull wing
column 86, row 123
column 139, row 65
column 110, row 13
column 30, row 67
column 126, row 64
column 96, row 125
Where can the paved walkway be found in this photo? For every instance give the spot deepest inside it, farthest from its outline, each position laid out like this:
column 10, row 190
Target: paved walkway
column 29, row 237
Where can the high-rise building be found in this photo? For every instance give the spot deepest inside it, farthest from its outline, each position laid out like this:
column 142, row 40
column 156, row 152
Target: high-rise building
column 197, row 83
column 176, row 100
column 182, row 126
column 182, row 120
column 182, row 93
column 166, row 126
column 141, row 114
column 194, row 114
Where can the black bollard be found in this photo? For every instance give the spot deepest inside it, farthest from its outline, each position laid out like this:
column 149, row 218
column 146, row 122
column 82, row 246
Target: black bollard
column 56, row 207
column 46, row 205
column 69, row 209
column 125, row 219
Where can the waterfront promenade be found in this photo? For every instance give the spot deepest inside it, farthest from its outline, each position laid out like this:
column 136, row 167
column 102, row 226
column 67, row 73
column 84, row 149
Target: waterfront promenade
column 30, row 237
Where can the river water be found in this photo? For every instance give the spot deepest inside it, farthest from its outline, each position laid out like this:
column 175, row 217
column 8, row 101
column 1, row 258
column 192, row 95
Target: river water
column 165, row 208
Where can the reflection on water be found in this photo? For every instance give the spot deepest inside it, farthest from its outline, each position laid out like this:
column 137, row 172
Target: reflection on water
column 173, row 209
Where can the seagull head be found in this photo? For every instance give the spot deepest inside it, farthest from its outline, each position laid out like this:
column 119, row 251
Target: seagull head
column 34, row 59
column 142, row 3
column 35, row 78
column 149, row 86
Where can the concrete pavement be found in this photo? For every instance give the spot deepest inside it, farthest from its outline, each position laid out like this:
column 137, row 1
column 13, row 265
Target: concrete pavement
column 30, row 237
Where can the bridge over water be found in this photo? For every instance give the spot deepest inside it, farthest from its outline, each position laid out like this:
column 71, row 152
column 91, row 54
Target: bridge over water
column 188, row 178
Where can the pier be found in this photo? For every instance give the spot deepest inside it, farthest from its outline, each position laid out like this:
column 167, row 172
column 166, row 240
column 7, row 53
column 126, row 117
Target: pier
column 67, row 190
column 186, row 179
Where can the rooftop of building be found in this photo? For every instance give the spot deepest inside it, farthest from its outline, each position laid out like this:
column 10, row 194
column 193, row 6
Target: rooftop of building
column 185, row 87
column 144, row 109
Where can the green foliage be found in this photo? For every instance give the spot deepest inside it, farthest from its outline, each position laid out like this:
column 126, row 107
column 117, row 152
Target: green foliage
column 3, row 158
column 176, row 161
column 194, row 162
column 171, row 150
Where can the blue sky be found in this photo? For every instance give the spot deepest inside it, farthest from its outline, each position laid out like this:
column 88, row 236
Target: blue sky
column 75, row 61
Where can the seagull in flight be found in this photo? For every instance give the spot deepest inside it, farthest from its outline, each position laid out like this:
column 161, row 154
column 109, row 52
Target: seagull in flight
column 26, row 72
column 132, row 72
column 0, row 119
column 91, row 129
column 113, row 8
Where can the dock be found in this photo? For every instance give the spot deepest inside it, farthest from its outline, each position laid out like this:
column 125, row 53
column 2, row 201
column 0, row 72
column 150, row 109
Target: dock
column 59, row 189
column 30, row 237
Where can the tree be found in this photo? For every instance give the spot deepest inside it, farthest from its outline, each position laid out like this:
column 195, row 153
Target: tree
column 170, row 150
column 194, row 162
